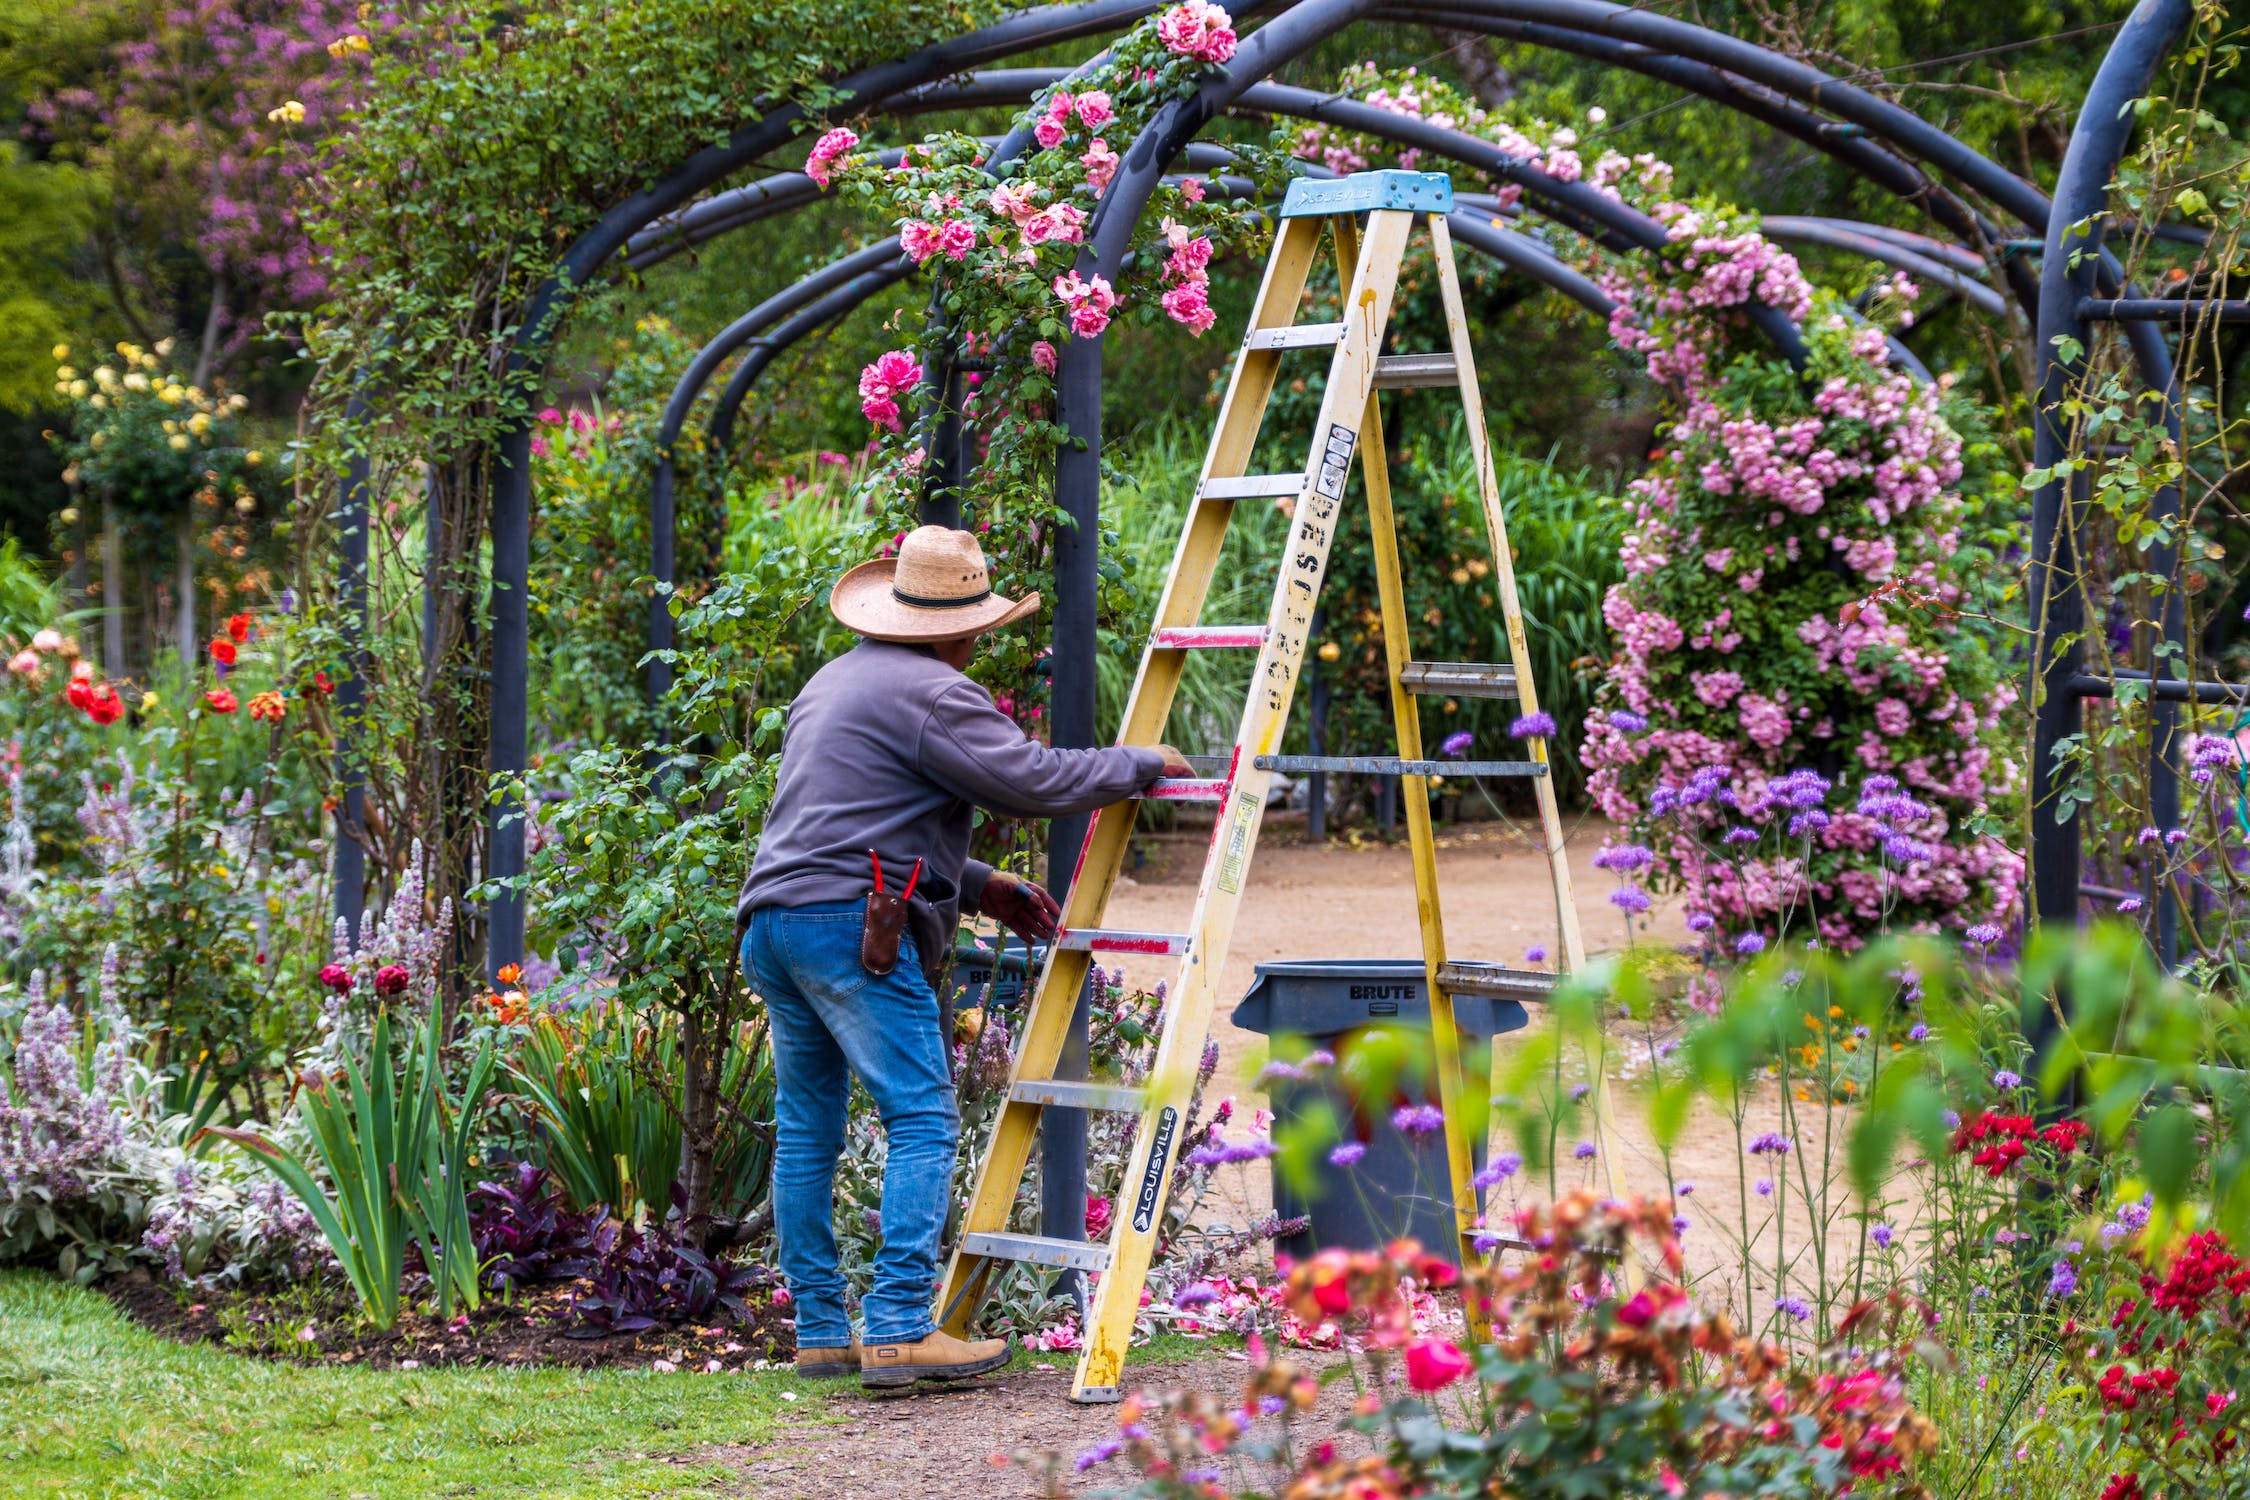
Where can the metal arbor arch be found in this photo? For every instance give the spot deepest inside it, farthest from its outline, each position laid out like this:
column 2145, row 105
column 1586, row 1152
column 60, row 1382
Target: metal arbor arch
column 1887, row 144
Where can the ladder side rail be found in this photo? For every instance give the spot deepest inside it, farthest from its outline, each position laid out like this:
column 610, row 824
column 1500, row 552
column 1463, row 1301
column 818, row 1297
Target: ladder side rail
column 1368, row 293
column 1465, row 1111
column 1543, row 788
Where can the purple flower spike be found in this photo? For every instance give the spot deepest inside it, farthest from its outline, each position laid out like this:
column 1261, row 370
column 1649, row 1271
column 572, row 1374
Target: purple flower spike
column 1772, row 1143
column 1418, row 1119
column 1535, row 954
column 1630, row 899
column 1533, row 726
column 1456, row 744
column 1749, row 943
column 1625, row 721
column 1347, row 1154
column 1984, row 933
column 2063, row 1280
column 1797, row 1307
column 1499, row 1170
column 1584, row 1151
column 1882, row 1235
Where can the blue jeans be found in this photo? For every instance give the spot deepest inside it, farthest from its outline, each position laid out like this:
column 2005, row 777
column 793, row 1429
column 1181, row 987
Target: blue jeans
column 830, row 1019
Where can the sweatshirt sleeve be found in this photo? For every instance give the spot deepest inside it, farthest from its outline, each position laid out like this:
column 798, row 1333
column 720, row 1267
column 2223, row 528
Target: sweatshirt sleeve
column 979, row 754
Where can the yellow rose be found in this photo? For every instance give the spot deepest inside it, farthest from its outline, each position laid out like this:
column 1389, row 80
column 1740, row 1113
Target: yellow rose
column 62, row 352
column 164, row 346
column 253, row 458
column 65, row 372
column 1329, row 651
column 148, row 702
column 96, row 441
column 99, row 402
column 136, row 381
column 178, row 442
column 78, row 390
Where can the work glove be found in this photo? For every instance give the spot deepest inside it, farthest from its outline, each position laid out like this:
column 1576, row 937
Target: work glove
column 1026, row 909
column 1175, row 764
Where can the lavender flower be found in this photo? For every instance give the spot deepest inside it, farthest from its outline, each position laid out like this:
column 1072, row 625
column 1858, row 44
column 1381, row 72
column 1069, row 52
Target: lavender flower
column 1683, row 1189
column 2007, row 1078
column 1498, row 1170
column 1456, row 744
column 1417, row 1119
column 1226, row 1154
column 1347, row 1154
column 1881, row 1234
column 2063, row 1280
column 1584, row 1151
column 1533, row 726
column 1984, row 933
column 1749, row 943
column 1535, row 954
column 1918, row 1032
column 1630, row 899
column 1624, row 857
column 1625, row 721
column 1797, row 1307
column 1763, row 1187
column 1772, row 1143
column 1100, row 1453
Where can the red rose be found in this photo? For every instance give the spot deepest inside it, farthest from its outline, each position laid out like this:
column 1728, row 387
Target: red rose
column 221, row 701
column 338, row 978
column 1434, row 1363
column 238, row 626
column 80, row 694
column 223, row 652
column 102, row 704
column 389, row 979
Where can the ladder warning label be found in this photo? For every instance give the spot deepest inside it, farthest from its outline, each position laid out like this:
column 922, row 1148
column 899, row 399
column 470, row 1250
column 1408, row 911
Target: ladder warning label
column 1238, row 845
column 1336, row 461
column 1152, row 1177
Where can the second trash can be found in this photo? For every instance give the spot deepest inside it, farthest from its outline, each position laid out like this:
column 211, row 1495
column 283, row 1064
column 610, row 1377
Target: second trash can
column 1402, row 1185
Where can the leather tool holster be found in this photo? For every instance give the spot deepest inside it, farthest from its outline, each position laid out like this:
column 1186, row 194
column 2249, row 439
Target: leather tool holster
column 885, row 923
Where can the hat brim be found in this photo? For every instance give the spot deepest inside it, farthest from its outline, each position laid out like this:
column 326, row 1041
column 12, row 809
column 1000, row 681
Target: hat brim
column 864, row 603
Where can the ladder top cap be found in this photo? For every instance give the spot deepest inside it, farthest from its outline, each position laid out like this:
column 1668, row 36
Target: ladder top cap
column 1364, row 192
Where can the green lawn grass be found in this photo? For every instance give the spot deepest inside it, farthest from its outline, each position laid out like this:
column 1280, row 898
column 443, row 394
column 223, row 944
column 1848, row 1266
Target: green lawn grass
column 92, row 1405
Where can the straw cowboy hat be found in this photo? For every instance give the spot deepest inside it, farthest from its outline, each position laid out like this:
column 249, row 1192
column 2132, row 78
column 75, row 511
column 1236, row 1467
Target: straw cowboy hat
column 936, row 589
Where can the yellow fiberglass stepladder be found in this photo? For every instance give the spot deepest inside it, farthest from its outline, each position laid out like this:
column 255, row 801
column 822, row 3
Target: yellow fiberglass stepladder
column 1349, row 422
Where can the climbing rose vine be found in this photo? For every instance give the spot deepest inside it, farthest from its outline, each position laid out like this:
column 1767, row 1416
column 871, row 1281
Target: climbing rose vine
column 1794, row 576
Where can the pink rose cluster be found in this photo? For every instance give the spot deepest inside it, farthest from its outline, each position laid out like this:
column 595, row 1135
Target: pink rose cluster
column 821, row 165
column 1187, row 280
column 1834, row 529
column 1056, row 224
column 891, row 376
column 1091, row 109
column 1197, row 29
column 1088, row 303
column 941, row 230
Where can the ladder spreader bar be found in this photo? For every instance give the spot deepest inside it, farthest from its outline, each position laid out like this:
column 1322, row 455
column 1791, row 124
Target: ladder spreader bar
column 1251, row 486
column 1075, row 1255
column 1186, row 789
column 1459, row 679
column 1118, row 940
column 1207, row 637
column 1391, row 765
column 1401, row 372
column 1073, row 1093
column 1296, row 336
column 1475, row 977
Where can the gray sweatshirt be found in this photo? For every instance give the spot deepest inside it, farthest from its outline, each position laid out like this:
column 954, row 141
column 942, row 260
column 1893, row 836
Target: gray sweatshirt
column 890, row 749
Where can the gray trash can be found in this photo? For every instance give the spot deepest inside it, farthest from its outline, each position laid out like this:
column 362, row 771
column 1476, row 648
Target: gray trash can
column 1402, row 1186
column 973, row 980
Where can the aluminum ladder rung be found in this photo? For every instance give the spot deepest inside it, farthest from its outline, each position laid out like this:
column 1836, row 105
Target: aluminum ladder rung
column 1251, row 487
column 1392, row 765
column 1458, row 679
column 1184, row 789
column 1415, row 372
column 1121, row 940
column 1295, row 336
column 1207, row 637
column 1076, row 1093
column 1476, row 977
column 1038, row 1250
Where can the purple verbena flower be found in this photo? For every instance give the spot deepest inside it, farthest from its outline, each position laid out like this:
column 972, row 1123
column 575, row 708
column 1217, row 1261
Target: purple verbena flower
column 1749, row 943
column 1624, row 857
column 1417, row 1119
column 1630, row 898
column 1533, row 726
column 1918, row 1032
column 1498, row 1170
column 1584, row 1151
column 1700, row 921
column 2007, row 1078
column 1983, row 933
column 1797, row 1307
column 1881, row 1234
column 1625, row 721
column 1772, row 1143
column 1456, row 744
column 2063, row 1280
column 1739, row 835
column 1535, row 954
column 1347, row 1154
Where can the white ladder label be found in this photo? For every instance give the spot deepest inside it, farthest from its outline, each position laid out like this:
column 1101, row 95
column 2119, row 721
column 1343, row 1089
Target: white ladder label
column 1238, row 839
column 1336, row 463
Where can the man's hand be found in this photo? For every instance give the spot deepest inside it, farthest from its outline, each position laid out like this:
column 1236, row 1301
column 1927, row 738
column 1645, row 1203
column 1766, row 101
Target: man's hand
column 1026, row 909
column 1175, row 764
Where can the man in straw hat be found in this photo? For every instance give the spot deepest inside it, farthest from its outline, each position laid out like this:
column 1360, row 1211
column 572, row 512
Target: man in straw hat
column 888, row 752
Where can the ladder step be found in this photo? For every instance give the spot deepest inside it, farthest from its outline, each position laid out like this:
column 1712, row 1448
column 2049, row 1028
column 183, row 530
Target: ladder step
column 1073, row 1093
column 1458, row 679
column 1119, row 940
column 1207, row 637
column 1185, row 789
column 1251, row 486
column 1074, row 1255
column 1366, row 192
column 1401, row 372
column 1297, row 336
column 1391, row 765
column 1474, row 977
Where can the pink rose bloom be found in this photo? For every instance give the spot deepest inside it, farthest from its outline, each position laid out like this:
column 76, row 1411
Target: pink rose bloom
column 1037, row 230
column 1433, row 1363
column 891, row 374
column 1013, row 201
column 1093, row 109
column 49, row 640
column 881, row 410
column 1717, row 560
column 1893, row 717
column 1197, row 29
column 1048, row 133
column 919, row 239
column 821, row 164
column 1189, row 307
column 1717, row 689
column 1059, row 105
column 1066, row 224
column 1101, row 166
column 956, row 237
column 1043, row 357
column 24, row 663
column 1192, row 190
column 1095, row 293
column 1087, row 321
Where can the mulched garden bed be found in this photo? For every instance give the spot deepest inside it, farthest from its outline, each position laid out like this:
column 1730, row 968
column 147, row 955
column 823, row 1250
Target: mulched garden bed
column 535, row 1328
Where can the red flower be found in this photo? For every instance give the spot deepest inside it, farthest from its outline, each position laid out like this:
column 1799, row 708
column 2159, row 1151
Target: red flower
column 2202, row 1266
column 2006, row 1134
column 2067, row 1136
column 338, row 978
column 1099, row 1213
column 80, row 694
column 221, row 701
column 223, row 652
column 389, row 979
column 102, row 704
column 321, row 684
column 239, row 626
column 2122, row 1487
column 1434, row 1363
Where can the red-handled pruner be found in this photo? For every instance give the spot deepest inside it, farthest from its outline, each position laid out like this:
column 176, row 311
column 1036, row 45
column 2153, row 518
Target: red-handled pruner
column 911, row 880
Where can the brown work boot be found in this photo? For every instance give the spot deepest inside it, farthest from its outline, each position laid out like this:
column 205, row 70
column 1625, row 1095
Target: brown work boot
column 828, row 1364
column 940, row 1356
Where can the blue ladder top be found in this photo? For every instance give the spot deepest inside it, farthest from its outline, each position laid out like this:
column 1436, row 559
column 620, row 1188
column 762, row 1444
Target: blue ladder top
column 1363, row 192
